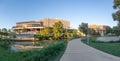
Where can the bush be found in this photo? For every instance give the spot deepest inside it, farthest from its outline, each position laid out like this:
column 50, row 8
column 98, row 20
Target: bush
column 46, row 54
column 47, row 37
column 5, row 43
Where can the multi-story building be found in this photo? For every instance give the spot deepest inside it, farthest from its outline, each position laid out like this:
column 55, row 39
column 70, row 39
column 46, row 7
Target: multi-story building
column 35, row 26
column 99, row 28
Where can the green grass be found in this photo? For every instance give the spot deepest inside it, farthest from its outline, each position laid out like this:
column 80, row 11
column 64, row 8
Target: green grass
column 108, row 47
column 51, row 52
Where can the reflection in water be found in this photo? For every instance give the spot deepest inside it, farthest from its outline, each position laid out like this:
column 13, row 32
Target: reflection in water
column 23, row 46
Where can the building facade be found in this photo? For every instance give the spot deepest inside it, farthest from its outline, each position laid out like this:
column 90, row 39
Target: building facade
column 36, row 26
column 99, row 28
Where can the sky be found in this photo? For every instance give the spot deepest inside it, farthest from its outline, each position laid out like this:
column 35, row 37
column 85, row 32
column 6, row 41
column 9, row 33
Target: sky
column 76, row 11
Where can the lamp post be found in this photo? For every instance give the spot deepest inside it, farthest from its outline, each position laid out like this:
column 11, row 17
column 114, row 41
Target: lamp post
column 87, row 33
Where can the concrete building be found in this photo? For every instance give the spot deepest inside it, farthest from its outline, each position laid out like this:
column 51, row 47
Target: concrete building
column 36, row 26
column 99, row 28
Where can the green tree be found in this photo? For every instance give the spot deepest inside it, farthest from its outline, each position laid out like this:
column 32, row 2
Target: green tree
column 0, row 33
column 108, row 30
column 42, row 33
column 48, row 30
column 92, row 32
column 45, row 32
column 9, row 31
column 83, row 28
column 116, row 30
column 4, row 32
column 116, row 4
column 116, row 15
column 74, row 32
column 58, row 30
column 67, row 35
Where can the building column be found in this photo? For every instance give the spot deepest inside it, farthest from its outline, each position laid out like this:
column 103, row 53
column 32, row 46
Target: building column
column 102, row 33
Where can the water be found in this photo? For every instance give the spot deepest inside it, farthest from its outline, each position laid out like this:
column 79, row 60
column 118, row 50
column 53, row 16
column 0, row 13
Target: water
column 23, row 46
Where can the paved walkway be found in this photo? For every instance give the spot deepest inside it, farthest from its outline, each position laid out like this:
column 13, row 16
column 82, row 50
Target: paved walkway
column 77, row 51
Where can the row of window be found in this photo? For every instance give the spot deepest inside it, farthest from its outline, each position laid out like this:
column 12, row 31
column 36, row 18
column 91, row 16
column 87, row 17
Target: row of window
column 34, row 25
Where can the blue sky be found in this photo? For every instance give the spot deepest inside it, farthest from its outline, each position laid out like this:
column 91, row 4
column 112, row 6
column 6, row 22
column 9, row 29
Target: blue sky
column 76, row 11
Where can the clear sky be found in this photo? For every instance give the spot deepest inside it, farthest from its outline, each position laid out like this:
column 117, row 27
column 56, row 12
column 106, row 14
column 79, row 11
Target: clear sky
column 76, row 11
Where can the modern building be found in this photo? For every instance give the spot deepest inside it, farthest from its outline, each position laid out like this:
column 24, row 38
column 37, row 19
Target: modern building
column 99, row 28
column 36, row 26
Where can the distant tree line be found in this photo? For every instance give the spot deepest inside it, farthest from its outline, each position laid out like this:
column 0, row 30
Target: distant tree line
column 84, row 28
column 4, row 32
column 4, row 41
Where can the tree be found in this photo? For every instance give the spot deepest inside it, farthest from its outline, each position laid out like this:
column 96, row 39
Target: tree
column 0, row 33
column 47, row 30
column 116, row 4
column 9, row 31
column 116, row 15
column 4, row 32
column 23, row 30
column 108, row 29
column 58, row 30
column 116, row 30
column 83, row 28
column 74, row 32
column 92, row 32
column 43, row 33
column 67, row 35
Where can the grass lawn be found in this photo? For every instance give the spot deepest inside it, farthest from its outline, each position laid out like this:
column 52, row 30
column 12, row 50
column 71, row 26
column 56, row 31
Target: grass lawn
column 111, row 48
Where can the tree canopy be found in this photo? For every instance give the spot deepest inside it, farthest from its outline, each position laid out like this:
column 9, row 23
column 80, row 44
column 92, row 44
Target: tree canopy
column 108, row 29
column 83, row 27
column 4, row 30
column 58, row 29
column 116, row 15
column 116, row 30
column 116, row 4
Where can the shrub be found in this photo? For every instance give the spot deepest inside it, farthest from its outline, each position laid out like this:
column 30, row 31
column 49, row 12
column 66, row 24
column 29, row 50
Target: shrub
column 45, row 54
column 5, row 43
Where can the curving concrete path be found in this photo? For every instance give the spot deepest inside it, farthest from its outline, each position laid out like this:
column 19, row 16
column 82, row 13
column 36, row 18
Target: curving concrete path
column 77, row 51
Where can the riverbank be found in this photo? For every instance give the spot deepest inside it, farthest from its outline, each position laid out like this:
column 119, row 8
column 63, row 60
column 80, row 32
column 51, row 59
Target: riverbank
column 48, row 53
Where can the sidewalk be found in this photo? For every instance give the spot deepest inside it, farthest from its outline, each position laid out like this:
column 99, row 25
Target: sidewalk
column 77, row 51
